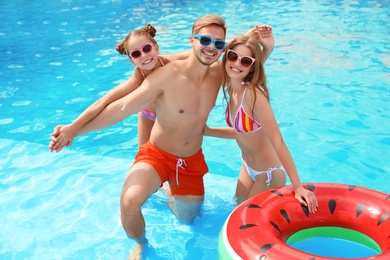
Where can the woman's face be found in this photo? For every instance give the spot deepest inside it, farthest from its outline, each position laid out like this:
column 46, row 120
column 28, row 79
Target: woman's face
column 142, row 53
column 239, row 62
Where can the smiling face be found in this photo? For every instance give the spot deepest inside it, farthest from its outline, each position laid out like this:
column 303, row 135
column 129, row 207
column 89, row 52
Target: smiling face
column 235, row 70
column 243, row 62
column 207, row 55
column 147, row 60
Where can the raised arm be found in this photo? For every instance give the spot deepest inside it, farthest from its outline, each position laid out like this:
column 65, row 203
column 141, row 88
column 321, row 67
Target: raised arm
column 64, row 134
column 264, row 36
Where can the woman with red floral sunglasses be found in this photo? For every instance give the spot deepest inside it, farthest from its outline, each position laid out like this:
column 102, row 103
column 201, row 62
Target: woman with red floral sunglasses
column 143, row 52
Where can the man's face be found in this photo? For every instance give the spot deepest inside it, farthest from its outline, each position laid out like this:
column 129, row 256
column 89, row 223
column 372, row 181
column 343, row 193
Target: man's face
column 207, row 55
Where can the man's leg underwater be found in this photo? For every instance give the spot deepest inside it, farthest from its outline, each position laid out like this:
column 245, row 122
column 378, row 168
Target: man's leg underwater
column 187, row 208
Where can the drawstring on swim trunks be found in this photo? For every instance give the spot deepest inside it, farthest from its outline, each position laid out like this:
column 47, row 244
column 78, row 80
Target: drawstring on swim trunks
column 179, row 163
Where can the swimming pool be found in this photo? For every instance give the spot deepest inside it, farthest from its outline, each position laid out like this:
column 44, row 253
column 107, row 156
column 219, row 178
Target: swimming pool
column 328, row 76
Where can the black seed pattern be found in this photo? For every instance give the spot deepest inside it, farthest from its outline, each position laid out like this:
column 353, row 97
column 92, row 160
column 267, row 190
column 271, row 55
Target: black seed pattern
column 285, row 215
column 251, row 206
column 275, row 226
column 305, row 210
column 332, row 206
column 351, row 187
column 266, row 247
column 277, row 193
column 245, row 226
column 311, row 187
column 360, row 209
column 383, row 218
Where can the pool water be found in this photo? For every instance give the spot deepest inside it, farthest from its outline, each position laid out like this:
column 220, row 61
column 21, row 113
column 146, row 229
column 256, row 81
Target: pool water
column 335, row 242
column 328, row 76
column 334, row 247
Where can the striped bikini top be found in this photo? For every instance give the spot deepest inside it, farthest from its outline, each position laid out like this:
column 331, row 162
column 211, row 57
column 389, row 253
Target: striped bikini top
column 242, row 122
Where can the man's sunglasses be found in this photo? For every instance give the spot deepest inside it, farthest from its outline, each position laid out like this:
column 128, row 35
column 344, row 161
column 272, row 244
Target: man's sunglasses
column 145, row 49
column 205, row 40
column 246, row 61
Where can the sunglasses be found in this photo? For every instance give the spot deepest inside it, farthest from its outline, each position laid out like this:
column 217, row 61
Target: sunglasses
column 205, row 40
column 246, row 61
column 145, row 49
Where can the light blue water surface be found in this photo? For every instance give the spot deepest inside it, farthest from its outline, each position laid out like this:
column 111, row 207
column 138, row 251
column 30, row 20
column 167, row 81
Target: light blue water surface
column 329, row 78
column 334, row 247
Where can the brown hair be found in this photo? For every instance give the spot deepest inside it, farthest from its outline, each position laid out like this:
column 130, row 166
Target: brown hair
column 148, row 31
column 256, row 78
column 208, row 20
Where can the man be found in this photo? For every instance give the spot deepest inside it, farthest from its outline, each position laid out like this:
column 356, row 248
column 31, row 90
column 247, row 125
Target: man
column 184, row 91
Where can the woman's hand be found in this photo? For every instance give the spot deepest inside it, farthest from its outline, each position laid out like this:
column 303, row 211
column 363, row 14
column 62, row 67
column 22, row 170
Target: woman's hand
column 307, row 198
column 265, row 36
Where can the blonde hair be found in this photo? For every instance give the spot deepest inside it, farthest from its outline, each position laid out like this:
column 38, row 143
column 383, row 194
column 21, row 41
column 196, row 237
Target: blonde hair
column 256, row 77
column 148, row 31
column 208, row 20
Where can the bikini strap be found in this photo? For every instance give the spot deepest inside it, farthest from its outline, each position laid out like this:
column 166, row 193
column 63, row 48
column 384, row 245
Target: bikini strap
column 143, row 75
column 243, row 95
column 262, row 90
column 162, row 63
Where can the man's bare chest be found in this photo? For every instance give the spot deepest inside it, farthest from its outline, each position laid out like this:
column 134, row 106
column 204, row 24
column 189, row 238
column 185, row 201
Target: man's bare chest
column 190, row 100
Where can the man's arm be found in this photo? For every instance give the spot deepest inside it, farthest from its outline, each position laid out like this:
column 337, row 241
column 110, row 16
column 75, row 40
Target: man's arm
column 64, row 134
column 130, row 104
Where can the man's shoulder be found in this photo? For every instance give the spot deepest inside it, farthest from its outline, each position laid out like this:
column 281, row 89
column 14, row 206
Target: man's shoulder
column 175, row 64
column 166, row 70
column 218, row 63
column 163, row 75
column 216, row 67
column 171, row 67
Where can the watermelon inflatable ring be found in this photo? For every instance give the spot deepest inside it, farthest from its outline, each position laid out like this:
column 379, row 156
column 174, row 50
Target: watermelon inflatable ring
column 259, row 227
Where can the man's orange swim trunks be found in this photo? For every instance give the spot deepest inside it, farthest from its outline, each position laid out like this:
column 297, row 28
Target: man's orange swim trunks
column 184, row 175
